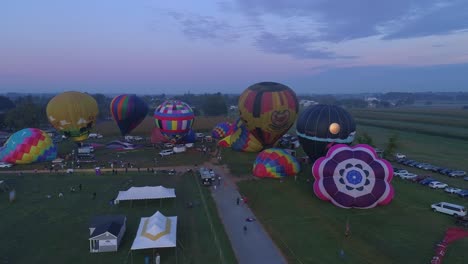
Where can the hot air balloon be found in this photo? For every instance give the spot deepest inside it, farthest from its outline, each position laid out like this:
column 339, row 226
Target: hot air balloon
column 268, row 110
column 222, row 130
column 241, row 139
column 27, row 146
column 275, row 163
column 353, row 177
column 73, row 114
column 174, row 118
column 128, row 112
column 321, row 126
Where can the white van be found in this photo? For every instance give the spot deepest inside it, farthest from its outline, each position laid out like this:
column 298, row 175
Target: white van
column 449, row 208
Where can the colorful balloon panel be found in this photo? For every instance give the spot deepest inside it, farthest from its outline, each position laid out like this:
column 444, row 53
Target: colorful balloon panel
column 242, row 140
column 128, row 112
column 275, row 163
column 353, row 177
column 174, row 118
column 320, row 127
column 73, row 114
column 268, row 110
column 222, row 130
column 27, row 146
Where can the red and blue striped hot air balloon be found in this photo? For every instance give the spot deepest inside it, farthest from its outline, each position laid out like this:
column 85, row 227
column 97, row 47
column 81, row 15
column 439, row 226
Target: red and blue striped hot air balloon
column 275, row 163
column 27, row 146
column 128, row 112
column 174, row 118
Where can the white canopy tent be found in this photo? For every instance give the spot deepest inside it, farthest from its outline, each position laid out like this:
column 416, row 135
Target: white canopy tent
column 157, row 231
column 145, row 193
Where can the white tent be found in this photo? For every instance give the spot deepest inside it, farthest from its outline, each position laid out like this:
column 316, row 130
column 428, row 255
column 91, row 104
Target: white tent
column 157, row 231
column 145, row 193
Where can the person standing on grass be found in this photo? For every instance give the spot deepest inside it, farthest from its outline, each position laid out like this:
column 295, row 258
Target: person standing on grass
column 245, row 229
column 238, row 200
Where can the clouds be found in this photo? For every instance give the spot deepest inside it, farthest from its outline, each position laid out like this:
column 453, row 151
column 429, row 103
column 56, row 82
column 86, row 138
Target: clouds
column 296, row 46
column 344, row 20
column 204, row 27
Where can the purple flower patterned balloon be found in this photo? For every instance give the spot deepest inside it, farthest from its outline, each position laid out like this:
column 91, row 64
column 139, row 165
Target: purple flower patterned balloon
column 353, row 177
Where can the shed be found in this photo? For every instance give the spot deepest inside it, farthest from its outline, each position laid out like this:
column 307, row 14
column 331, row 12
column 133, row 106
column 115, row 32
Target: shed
column 106, row 232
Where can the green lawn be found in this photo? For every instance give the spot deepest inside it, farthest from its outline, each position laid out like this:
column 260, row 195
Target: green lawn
column 35, row 229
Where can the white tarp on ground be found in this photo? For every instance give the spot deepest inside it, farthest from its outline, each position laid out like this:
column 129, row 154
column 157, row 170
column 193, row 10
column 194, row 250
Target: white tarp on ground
column 157, row 231
column 145, row 193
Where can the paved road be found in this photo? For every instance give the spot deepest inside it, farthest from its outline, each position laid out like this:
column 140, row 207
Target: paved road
column 254, row 246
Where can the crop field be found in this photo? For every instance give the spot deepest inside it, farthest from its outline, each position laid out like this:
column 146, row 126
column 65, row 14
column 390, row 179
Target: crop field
column 55, row 230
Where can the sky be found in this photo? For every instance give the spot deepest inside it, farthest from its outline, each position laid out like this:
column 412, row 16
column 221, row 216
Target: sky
column 173, row 47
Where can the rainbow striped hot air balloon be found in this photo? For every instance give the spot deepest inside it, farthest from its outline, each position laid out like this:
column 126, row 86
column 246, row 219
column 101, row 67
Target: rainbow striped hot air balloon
column 222, row 130
column 128, row 112
column 174, row 118
column 27, row 146
column 275, row 163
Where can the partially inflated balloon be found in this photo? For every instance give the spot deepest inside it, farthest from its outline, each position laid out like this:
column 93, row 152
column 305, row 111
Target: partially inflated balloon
column 275, row 163
column 319, row 127
column 241, row 139
column 174, row 118
column 353, row 177
column 128, row 112
column 222, row 130
column 268, row 110
column 73, row 114
column 28, row 145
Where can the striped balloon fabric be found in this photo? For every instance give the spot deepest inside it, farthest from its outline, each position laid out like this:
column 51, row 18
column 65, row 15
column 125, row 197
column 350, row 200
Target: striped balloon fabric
column 174, row 118
column 275, row 163
column 27, row 146
column 128, row 112
column 241, row 139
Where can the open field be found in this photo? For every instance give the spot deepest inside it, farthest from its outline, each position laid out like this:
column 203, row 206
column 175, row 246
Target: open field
column 35, row 229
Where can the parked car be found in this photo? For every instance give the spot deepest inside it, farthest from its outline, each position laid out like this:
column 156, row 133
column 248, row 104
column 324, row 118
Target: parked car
column 438, row 185
column 168, row 145
column 452, row 190
column 466, row 178
column 166, row 152
column 400, row 172
column 457, row 173
column 421, row 165
column 5, row 165
column 427, row 181
column 449, row 208
column 407, row 176
column 419, row 178
column 445, row 171
column 400, row 156
column 463, row 193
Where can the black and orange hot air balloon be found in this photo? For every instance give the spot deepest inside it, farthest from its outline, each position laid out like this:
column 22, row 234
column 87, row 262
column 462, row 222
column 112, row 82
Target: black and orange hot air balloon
column 268, row 110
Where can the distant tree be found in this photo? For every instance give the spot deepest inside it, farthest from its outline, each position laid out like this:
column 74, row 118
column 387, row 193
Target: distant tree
column 6, row 104
column 325, row 99
column 352, row 103
column 391, row 146
column 365, row 138
column 103, row 103
column 214, row 105
column 25, row 114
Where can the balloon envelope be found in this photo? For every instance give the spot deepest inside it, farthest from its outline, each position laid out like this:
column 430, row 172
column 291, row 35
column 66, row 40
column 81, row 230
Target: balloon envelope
column 222, row 130
column 353, row 177
column 241, row 139
column 321, row 126
column 275, row 163
column 128, row 112
column 174, row 118
column 73, row 114
column 268, row 110
column 27, row 146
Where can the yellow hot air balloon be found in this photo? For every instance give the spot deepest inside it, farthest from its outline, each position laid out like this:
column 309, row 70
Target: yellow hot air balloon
column 73, row 114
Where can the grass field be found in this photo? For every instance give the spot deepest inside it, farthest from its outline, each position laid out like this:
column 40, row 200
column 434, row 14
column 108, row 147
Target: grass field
column 35, row 229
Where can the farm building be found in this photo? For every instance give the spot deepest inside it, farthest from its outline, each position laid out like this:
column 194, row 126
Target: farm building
column 106, row 232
